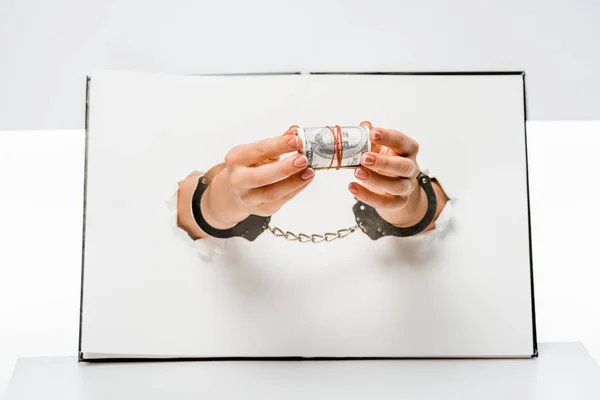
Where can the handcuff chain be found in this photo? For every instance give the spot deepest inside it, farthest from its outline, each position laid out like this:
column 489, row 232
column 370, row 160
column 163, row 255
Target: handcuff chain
column 313, row 238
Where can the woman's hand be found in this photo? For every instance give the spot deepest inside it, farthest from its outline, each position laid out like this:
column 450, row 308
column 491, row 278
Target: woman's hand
column 254, row 181
column 387, row 178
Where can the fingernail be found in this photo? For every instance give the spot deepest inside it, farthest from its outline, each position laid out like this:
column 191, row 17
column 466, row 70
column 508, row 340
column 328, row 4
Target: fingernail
column 377, row 135
column 352, row 188
column 301, row 161
column 294, row 143
column 361, row 174
column 306, row 175
column 368, row 159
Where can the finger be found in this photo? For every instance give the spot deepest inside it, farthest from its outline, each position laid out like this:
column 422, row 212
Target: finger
column 399, row 142
column 280, row 189
column 376, row 200
column 293, row 193
column 267, row 209
column 385, row 184
column 390, row 165
column 268, row 173
column 253, row 153
column 291, row 130
column 374, row 146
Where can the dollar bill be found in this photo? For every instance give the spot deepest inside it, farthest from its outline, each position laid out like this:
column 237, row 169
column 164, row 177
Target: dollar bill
column 318, row 146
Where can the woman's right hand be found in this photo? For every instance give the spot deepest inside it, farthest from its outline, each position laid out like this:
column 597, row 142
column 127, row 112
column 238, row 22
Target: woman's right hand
column 256, row 180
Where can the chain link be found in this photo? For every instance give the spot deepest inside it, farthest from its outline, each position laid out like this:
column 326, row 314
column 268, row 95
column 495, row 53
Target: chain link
column 313, row 238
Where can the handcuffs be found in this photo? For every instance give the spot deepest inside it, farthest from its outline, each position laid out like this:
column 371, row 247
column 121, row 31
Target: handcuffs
column 367, row 219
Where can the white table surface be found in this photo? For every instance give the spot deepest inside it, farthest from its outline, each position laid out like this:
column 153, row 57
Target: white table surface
column 562, row 371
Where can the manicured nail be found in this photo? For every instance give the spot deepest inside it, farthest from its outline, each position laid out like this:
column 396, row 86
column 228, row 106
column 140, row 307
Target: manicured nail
column 294, row 143
column 368, row 159
column 352, row 188
column 306, row 175
column 301, row 161
column 377, row 135
column 361, row 174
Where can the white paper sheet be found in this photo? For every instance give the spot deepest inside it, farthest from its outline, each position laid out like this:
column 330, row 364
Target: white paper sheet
column 147, row 293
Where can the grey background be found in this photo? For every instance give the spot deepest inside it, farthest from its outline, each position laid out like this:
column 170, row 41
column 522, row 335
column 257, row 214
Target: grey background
column 47, row 47
column 562, row 371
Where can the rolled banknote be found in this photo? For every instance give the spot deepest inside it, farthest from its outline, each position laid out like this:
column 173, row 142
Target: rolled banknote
column 318, row 144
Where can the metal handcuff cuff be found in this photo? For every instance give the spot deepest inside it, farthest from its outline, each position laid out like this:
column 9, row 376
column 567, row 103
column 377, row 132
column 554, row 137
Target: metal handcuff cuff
column 324, row 142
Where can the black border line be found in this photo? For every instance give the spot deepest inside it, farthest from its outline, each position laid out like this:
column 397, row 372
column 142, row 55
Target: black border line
column 85, row 176
column 109, row 360
column 424, row 73
column 533, row 320
column 81, row 357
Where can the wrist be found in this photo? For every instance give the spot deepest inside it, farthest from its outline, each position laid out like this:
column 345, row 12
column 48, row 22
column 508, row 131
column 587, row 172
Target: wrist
column 219, row 206
column 411, row 214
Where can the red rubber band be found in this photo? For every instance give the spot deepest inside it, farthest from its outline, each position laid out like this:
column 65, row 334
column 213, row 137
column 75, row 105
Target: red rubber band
column 338, row 146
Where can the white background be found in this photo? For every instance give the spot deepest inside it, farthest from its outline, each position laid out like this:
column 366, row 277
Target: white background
column 41, row 181
column 48, row 46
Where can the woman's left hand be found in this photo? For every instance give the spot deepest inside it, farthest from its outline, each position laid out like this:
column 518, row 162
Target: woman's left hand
column 387, row 177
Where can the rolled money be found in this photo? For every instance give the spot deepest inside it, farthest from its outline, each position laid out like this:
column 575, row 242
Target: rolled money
column 318, row 146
